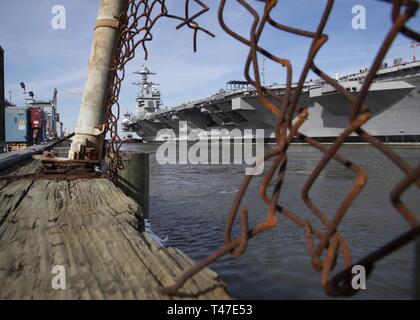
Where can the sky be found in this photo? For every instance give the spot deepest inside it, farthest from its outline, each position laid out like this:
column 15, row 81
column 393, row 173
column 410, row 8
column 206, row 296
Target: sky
column 45, row 58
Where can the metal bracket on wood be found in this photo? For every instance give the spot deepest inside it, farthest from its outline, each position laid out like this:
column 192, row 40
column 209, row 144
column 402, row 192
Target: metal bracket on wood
column 95, row 131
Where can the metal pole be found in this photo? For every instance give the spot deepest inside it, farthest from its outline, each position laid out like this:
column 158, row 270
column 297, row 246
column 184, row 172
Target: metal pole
column 91, row 123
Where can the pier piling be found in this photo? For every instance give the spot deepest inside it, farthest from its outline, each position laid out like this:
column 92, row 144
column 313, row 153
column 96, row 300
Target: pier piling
column 134, row 179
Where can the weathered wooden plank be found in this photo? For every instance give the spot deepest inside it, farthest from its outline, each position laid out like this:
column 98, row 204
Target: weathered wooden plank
column 95, row 231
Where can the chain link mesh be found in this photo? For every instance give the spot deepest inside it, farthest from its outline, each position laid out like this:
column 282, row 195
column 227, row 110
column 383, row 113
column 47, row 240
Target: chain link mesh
column 135, row 30
column 326, row 245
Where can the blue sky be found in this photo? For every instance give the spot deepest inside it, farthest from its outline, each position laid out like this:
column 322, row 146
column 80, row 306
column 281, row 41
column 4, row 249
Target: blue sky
column 45, row 58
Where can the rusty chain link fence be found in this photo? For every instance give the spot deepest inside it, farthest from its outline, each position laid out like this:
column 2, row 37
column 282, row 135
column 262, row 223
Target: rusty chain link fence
column 134, row 31
column 324, row 245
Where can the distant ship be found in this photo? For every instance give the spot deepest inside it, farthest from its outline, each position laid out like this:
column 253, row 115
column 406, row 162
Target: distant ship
column 393, row 98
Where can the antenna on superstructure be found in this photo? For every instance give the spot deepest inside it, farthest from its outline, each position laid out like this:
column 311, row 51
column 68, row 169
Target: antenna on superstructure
column 144, row 72
column 263, row 71
column 414, row 44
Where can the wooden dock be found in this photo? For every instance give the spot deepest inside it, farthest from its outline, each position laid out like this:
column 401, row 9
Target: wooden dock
column 92, row 229
column 8, row 159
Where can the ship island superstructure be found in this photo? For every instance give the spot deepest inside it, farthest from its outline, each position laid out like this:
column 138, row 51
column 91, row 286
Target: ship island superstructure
column 148, row 105
column 393, row 98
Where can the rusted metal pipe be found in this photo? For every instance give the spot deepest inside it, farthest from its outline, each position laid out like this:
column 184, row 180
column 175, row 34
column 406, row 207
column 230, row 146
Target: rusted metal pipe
column 91, row 124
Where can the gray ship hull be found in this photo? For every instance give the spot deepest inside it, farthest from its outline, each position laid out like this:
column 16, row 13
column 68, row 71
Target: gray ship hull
column 393, row 99
column 397, row 119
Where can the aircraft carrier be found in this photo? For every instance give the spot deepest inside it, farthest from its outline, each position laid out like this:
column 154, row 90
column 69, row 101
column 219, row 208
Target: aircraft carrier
column 394, row 99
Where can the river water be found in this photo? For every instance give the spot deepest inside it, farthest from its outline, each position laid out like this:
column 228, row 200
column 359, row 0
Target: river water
column 189, row 204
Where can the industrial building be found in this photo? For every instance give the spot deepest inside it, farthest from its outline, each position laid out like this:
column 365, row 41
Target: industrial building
column 2, row 101
column 34, row 123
